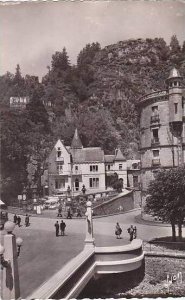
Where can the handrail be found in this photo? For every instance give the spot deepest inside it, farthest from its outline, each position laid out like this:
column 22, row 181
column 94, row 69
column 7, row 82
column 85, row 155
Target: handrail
column 51, row 286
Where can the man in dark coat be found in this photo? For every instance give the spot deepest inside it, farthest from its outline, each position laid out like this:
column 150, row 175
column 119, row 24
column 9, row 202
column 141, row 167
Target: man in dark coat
column 27, row 221
column 57, row 228
column 62, row 227
column 15, row 219
column 19, row 221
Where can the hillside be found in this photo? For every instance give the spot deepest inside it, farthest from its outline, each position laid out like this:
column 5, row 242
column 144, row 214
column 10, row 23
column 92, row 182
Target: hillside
column 98, row 96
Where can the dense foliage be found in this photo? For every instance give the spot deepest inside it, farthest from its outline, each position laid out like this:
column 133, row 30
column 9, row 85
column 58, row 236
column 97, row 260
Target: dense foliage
column 98, row 96
column 167, row 199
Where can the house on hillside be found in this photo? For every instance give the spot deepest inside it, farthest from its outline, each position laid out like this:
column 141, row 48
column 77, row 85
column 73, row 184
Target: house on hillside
column 72, row 167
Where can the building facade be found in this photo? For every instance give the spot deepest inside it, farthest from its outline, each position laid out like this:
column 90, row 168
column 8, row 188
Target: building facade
column 72, row 167
column 162, row 129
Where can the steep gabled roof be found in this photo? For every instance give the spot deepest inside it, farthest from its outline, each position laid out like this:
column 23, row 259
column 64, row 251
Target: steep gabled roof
column 109, row 158
column 85, row 155
column 119, row 156
column 76, row 142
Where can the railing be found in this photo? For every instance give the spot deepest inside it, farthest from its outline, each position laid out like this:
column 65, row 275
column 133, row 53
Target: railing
column 60, row 159
column 156, row 162
column 155, row 119
column 77, row 172
column 155, row 141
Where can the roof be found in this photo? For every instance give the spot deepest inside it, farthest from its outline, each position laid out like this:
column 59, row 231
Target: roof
column 76, row 141
column 85, row 155
column 109, row 158
column 174, row 73
column 119, row 155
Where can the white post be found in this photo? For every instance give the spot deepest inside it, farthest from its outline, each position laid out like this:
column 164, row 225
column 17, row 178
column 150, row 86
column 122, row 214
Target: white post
column 10, row 282
column 89, row 225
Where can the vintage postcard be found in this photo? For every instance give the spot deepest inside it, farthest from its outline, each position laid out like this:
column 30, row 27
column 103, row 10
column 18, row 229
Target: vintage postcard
column 92, row 103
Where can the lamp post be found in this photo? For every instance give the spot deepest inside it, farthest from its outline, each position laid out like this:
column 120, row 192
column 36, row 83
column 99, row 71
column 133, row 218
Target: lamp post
column 8, row 254
column 89, row 225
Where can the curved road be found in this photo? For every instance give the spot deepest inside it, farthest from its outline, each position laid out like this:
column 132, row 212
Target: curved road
column 42, row 253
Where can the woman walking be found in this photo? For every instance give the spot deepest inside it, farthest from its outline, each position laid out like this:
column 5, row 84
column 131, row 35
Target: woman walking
column 118, row 231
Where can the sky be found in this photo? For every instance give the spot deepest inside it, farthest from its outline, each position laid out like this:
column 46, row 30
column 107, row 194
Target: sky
column 31, row 32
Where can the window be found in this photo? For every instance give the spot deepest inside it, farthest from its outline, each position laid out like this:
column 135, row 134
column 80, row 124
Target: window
column 155, row 133
column 108, row 167
column 59, row 183
column 59, row 168
column 76, row 184
column 93, row 168
column 135, row 166
column 94, row 182
column 120, row 166
column 155, row 153
column 176, row 107
column 135, row 181
column 59, row 152
column 76, row 168
column 155, row 108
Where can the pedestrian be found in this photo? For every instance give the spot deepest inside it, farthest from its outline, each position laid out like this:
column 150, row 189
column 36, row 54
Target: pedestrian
column 59, row 212
column 19, row 221
column 27, row 221
column 69, row 215
column 62, row 227
column 118, row 231
column 57, row 228
column 15, row 219
column 135, row 232
column 131, row 232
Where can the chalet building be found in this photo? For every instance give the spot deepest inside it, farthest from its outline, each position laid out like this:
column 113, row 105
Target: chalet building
column 19, row 102
column 72, row 167
column 162, row 129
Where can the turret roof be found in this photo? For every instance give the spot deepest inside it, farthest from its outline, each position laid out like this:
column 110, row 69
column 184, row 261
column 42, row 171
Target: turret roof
column 119, row 155
column 76, row 142
column 174, row 73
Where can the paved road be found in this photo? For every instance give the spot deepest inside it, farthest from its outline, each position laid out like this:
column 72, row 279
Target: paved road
column 42, row 254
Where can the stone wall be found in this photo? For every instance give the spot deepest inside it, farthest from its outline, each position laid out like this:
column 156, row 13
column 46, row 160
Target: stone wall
column 118, row 205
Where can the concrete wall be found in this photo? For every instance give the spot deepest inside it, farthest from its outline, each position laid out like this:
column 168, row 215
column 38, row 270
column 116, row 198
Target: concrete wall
column 120, row 204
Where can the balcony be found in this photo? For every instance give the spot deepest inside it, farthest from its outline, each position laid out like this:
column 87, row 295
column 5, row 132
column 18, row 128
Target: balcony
column 156, row 162
column 60, row 159
column 155, row 119
column 155, row 141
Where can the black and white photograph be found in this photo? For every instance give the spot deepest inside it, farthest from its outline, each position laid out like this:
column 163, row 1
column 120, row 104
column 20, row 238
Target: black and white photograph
column 92, row 143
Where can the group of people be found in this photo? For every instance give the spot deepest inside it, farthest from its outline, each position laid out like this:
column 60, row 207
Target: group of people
column 17, row 220
column 132, row 230
column 60, row 227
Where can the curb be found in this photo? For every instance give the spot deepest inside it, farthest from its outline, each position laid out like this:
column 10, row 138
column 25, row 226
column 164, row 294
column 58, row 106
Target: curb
column 167, row 254
column 139, row 220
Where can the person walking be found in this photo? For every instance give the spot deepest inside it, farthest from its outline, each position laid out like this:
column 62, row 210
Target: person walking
column 27, row 220
column 15, row 219
column 19, row 221
column 59, row 212
column 118, row 231
column 56, row 228
column 69, row 215
column 62, row 227
column 131, row 232
column 135, row 232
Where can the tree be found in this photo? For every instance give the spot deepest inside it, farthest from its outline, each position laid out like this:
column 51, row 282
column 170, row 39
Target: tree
column 174, row 44
column 167, row 199
column 60, row 61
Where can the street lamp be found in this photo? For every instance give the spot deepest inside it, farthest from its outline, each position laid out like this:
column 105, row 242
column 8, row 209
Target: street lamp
column 9, row 253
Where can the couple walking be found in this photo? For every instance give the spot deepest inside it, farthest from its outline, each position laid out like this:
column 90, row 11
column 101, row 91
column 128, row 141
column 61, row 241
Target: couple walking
column 131, row 230
column 62, row 227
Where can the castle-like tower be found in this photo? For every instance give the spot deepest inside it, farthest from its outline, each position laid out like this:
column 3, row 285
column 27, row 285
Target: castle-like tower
column 162, row 129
